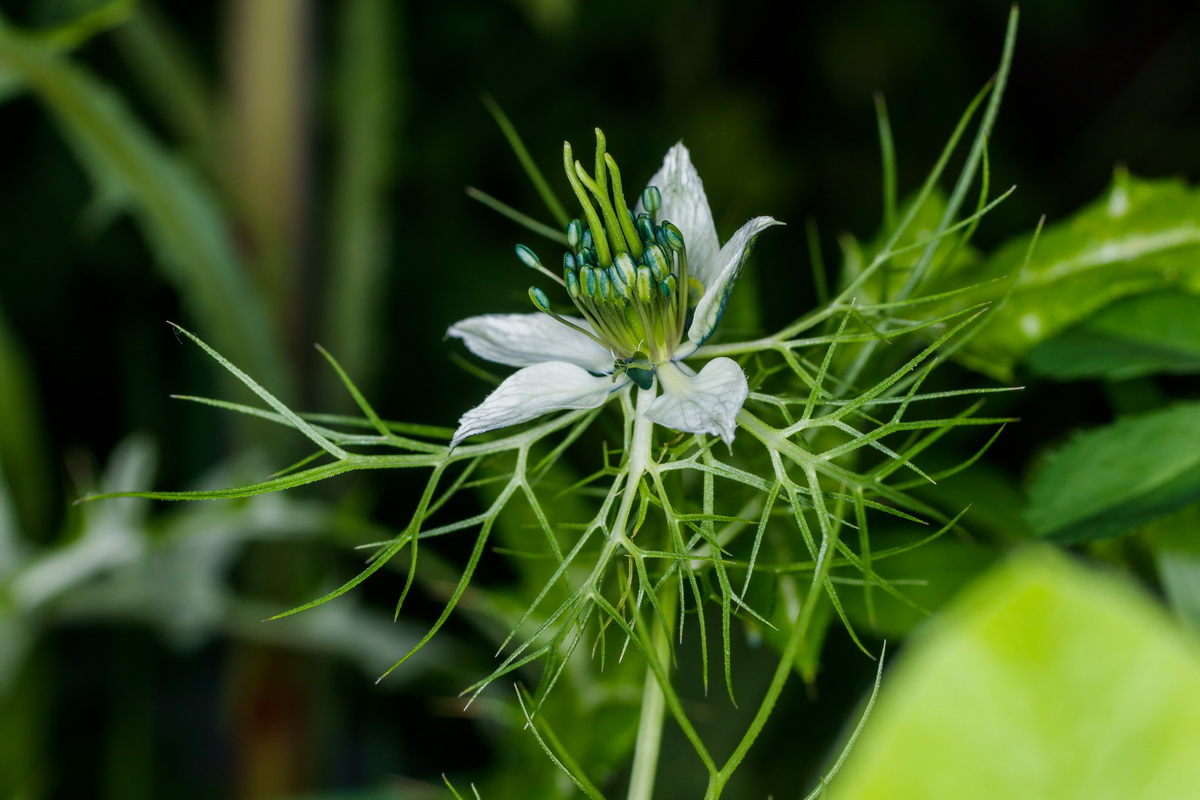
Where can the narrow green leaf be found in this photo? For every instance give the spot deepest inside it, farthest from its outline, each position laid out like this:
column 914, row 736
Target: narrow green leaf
column 1109, row 480
column 1043, row 681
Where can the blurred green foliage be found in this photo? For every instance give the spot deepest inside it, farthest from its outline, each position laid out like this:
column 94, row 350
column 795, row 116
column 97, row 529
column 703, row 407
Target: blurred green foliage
column 293, row 172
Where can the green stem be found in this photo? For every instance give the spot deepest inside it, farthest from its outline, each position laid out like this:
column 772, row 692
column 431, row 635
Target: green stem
column 650, row 724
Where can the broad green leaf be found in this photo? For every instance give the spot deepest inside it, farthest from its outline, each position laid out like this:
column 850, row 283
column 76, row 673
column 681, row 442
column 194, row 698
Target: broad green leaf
column 179, row 216
column 1143, row 236
column 1109, row 480
column 1043, row 681
column 1142, row 335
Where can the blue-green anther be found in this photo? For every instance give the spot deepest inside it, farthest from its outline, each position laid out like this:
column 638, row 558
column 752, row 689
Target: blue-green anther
column 625, row 267
column 657, row 260
column 588, row 242
column 572, row 284
column 667, row 286
column 645, row 228
column 587, row 277
column 574, row 234
column 569, row 263
column 540, row 301
column 620, row 286
column 528, row 257
column 673, row 237
column 652, row 200
column 603, row 286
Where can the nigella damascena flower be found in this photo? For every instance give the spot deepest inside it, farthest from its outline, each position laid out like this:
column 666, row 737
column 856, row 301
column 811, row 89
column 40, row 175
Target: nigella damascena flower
column 650, row 287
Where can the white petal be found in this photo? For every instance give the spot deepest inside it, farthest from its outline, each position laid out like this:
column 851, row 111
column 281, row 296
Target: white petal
column 704, row 403
column 685, row 204
column 730, row 262
column 531, row 392
column 520, row 340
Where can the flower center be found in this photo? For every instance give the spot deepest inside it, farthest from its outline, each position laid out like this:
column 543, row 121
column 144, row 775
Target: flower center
column 627, row 275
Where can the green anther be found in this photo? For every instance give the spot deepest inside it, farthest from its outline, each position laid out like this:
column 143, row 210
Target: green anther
column 540, row 301
column 626, row 219
column 652, row 200
column 674, row 239
column 625, row 267
column 572, row 284
column 593, row 219
column 528, row 257
column 645, row 285
column 667, row 286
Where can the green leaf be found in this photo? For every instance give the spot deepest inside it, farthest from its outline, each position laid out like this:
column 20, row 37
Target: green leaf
column 1141, row 237
column 1141, row 335
column 1043, row 681
column 1109, row 480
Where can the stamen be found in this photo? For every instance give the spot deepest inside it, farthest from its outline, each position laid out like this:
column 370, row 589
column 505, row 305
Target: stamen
column 530, row 259
column 542, row 303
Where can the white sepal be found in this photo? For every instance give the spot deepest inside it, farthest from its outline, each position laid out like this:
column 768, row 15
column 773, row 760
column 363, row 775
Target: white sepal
column 521, row 340
column 533, row 391
column 730, row 262
column 705, row 403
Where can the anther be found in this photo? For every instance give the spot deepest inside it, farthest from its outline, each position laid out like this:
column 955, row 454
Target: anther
column 651, row 200
column 528, row 257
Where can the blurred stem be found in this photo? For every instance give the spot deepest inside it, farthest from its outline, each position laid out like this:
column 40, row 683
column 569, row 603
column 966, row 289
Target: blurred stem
column 368, row 94
column 160, row 60
column 650, row 725
column 267, row 149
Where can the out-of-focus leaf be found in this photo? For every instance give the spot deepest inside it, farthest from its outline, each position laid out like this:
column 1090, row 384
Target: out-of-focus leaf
column 1143, row 236
column 1176, row 540
column 1044, row 681
column 1142, row 335
column 23, row 461
column 179, row 217
column 1109, row 480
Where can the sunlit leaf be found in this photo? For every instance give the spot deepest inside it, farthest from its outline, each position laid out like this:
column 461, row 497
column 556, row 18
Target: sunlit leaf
column 1140, row 237
column 1044, row 681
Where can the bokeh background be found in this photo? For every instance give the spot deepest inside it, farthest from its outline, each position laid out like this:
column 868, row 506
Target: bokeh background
column 333, row 142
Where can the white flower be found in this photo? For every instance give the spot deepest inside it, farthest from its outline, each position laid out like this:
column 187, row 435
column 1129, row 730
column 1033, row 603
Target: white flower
column 636, row 281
